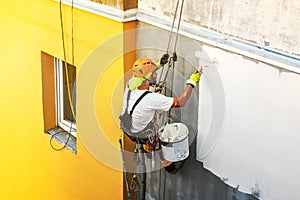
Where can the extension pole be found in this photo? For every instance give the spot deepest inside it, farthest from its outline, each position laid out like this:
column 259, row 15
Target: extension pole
column 124, row 171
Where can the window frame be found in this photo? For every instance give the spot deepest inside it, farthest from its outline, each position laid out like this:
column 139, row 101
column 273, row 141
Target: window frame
column 66, row 125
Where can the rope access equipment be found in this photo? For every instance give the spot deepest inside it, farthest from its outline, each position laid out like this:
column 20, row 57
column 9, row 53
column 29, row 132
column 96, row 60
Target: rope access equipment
column 141, row 190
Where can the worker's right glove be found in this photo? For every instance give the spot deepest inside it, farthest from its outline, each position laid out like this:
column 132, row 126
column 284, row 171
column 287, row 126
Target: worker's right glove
column 194, row 78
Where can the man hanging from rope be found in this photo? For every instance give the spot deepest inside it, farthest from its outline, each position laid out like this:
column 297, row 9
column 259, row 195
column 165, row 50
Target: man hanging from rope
column 143, row 116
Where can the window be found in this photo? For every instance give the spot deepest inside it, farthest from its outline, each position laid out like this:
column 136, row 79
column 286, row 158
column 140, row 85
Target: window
column 65, row 85
column 59, row 102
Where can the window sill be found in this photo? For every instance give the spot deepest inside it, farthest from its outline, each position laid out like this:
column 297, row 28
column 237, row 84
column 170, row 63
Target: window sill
column 62, row 137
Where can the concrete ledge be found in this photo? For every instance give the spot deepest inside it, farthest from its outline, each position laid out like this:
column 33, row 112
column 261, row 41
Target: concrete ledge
column 260, row 53
column 63, row 138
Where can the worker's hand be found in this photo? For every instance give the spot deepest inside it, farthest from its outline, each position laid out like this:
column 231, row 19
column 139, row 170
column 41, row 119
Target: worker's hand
column 159, row 87
column 194, row 78
column 164, row 59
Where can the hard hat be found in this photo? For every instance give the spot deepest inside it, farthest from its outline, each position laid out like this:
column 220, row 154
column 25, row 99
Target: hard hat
column 142, row 67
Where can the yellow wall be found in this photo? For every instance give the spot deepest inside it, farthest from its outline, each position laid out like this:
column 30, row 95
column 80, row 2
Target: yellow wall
column 30, row 169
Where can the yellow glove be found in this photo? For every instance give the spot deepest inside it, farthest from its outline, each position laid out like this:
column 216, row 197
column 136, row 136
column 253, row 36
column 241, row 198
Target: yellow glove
column 194, row 78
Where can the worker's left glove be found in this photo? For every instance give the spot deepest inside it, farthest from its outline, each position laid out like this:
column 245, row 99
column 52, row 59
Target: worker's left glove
column 164, row 59
column 194, row 78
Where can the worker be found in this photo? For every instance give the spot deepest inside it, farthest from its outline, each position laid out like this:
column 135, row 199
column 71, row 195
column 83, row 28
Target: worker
column 143, row 116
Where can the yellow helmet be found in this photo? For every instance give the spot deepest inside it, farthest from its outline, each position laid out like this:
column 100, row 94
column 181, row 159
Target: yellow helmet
column 142, row 67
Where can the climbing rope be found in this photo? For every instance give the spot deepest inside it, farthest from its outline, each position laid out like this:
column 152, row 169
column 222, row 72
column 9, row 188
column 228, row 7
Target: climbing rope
column 173, row 58
column 65, row 56
column 178, row 27
column 162, row 82
column 67, row 76
column 138, row 182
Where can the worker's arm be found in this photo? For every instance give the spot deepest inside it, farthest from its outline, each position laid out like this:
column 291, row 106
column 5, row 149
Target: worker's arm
column 184, row 97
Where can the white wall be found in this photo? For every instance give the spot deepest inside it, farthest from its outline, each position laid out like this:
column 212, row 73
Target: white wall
column 249, row 125
column 248, row 114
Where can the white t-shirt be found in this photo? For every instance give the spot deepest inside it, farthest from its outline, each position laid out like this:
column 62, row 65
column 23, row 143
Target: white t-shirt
column 145, row 109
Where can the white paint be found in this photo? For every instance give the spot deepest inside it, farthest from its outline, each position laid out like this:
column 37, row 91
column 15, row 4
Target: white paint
column 257, row 146
column 211, row 104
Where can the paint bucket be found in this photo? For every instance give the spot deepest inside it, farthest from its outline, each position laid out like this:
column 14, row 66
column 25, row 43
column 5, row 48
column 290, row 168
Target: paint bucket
column 175, row 145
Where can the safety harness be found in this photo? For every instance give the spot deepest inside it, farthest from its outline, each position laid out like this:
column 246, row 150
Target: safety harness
column 126, row 123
